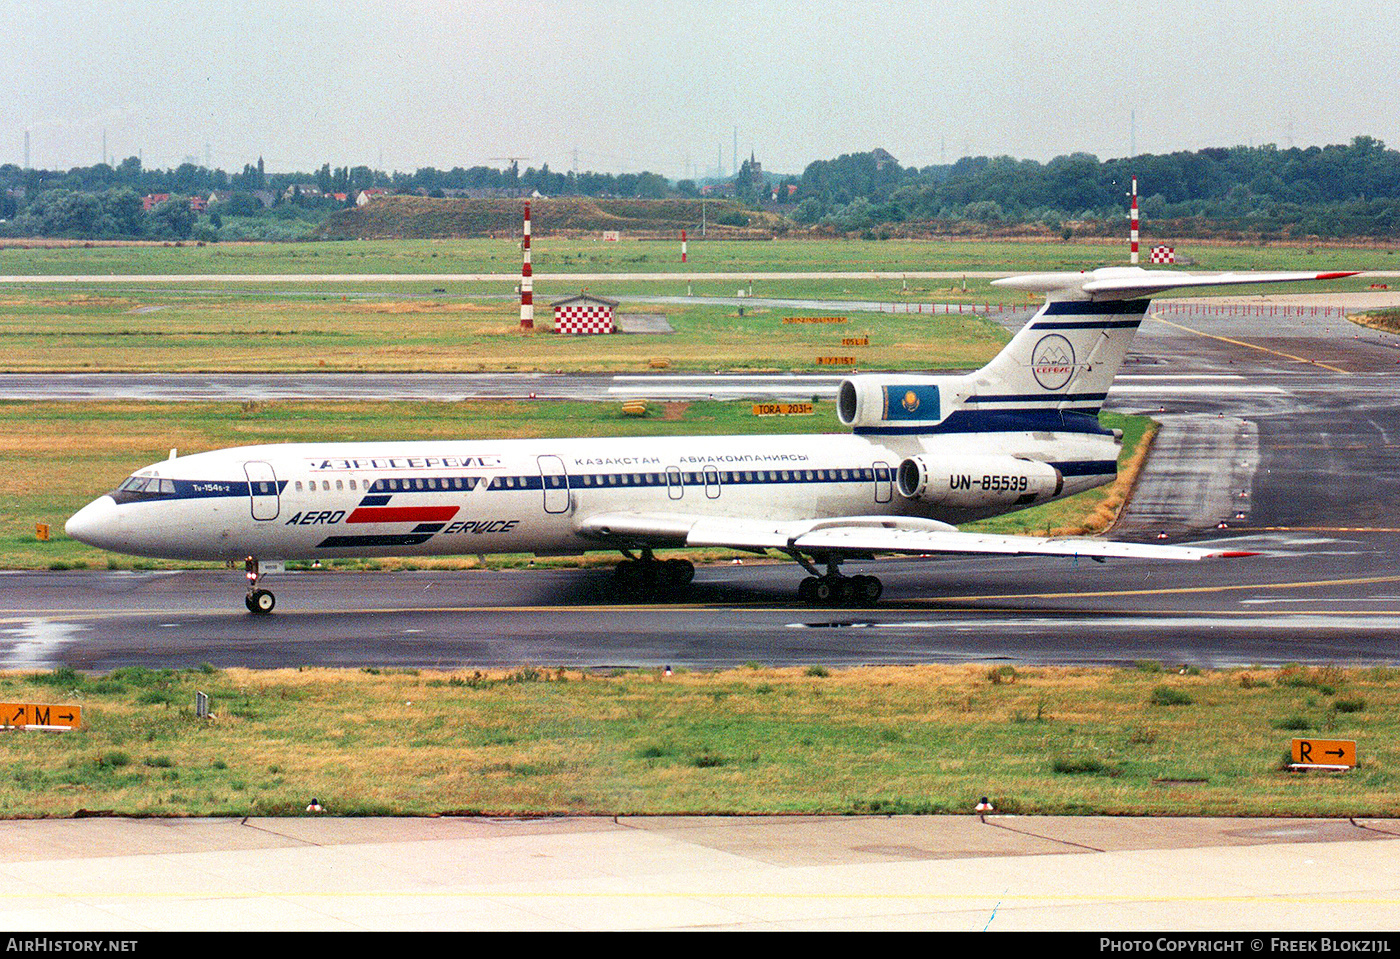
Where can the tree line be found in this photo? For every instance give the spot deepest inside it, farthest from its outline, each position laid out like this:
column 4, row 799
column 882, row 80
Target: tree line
column 1343, row 190
column 106, row 202
column 1331, row 191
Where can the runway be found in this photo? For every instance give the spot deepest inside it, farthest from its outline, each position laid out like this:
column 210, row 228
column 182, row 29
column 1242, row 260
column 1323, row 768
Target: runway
column 444, row 387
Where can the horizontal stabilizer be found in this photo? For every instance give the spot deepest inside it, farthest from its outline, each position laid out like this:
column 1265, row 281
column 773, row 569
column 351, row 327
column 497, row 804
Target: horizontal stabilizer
column 1129, row 283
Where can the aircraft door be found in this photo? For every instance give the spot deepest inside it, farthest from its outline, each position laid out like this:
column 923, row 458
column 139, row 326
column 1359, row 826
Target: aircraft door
column 675, row 487
column 262, row 490
column 711, row 482
column 884, row 482
column 555, row 480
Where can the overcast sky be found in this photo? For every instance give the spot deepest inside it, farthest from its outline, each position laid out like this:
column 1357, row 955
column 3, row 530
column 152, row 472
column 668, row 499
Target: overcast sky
column 663, row 85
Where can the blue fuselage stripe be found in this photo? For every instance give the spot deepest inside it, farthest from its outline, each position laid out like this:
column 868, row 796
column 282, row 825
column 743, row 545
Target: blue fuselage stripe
column 1096, row 308
column 1001, row 421
column 1039, row 398
column 1089, row 325
column 1087, row 467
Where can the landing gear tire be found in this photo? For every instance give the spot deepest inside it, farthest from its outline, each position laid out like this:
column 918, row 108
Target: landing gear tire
column 260, row 602
column 868, row 589
column 840, row 590
column 647, row 578
column 678, row 573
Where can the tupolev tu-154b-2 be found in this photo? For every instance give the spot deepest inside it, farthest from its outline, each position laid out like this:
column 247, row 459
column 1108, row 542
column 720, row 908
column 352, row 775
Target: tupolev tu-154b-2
column 924, row 454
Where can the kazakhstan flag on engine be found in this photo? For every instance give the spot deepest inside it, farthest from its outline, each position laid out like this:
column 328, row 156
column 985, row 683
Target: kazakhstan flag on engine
column 911, row 403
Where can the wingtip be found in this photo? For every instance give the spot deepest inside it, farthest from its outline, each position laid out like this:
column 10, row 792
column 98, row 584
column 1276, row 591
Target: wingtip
column 1337, row 275
column 1234, row 554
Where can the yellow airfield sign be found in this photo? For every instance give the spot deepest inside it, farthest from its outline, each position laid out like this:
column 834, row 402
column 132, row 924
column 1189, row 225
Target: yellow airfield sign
column 1324, row 752
column 39, row 716
column 783, row 409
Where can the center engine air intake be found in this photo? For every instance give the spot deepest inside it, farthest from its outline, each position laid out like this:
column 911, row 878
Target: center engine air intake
column 875, row 400
column 973, row 482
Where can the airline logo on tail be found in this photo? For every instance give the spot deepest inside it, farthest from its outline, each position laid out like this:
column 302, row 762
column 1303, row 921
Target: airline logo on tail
column 1053, row 361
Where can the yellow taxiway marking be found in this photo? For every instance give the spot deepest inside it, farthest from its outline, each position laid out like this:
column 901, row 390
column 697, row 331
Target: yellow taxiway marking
column 1252, row 346
column 20, row 616
column 1319, row 529
column 1172, row 590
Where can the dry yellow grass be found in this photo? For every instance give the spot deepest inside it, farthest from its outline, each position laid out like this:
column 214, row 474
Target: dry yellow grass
column 751, row 740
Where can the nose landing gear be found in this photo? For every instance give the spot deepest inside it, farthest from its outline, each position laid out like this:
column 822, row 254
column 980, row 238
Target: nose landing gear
column 259, row 601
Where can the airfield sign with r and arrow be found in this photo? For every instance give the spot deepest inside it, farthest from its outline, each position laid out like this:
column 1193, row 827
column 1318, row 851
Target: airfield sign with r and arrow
column 1324, row 752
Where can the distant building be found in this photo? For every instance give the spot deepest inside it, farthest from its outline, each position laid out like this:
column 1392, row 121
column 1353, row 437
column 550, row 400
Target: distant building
column 152, row 200
column 369, row 193
column 199, row 204
column 883, row 158
column 755, row 172
column 584, row 314
column 302, row 189
column 219, row 196
column 266, row 197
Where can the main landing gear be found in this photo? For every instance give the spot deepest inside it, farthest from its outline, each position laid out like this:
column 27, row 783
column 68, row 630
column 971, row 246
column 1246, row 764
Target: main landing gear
column 835, row 589
column 646, row 576
column 258, row 601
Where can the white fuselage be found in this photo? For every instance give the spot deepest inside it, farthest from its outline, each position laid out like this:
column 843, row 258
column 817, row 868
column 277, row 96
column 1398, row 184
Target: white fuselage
column 304, row 501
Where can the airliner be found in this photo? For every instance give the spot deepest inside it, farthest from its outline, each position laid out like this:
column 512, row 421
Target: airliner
column 924, row 454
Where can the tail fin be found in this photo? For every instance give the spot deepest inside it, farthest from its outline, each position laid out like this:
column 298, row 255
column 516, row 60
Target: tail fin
column 1055, row 372
column 1066, row 357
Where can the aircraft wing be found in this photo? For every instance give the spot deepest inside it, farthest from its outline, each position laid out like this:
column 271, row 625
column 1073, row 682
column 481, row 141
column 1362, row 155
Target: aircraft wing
column 863, row 536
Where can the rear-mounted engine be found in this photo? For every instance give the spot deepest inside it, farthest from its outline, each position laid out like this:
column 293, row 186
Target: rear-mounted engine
column 971, row 482
column 881, row 400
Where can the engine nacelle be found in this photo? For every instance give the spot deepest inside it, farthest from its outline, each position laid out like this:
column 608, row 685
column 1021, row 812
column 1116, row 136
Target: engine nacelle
column 876, row 400
column 973, row 482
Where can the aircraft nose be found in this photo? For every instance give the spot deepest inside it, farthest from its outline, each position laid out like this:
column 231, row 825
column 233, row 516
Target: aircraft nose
column 94, row 524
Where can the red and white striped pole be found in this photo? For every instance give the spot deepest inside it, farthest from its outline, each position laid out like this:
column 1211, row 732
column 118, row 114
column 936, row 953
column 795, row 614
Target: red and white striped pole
column 1133, row 228
column 527, row 285
column 682, row 246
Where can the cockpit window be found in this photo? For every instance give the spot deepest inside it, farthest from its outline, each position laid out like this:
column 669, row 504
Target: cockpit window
column 135, row 488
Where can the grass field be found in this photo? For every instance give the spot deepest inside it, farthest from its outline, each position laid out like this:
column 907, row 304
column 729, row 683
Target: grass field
column 55, row 457
column 586, row 256
column 917, row 739
column 167, row 331
column 438, row 325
